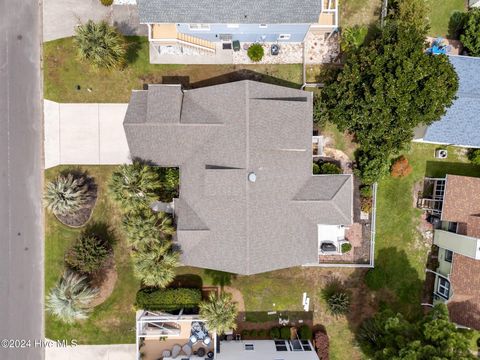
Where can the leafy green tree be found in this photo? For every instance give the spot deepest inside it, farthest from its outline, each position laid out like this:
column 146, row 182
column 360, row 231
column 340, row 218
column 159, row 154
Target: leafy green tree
column 389, row 336
column 88, row 254
column 220, row 312
column 470, row 35
column 385, row 90
column 66, row 194
column 410, row 13
column 147, row 224
column 100, row 44
column 255, row 52
column 154, row 263
column 135, row 186
column 69, row 300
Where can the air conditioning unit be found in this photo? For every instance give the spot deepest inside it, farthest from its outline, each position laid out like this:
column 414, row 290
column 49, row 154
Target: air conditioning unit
column 441, row 153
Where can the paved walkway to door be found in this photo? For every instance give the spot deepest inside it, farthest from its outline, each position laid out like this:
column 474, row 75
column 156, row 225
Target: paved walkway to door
column 85, row 134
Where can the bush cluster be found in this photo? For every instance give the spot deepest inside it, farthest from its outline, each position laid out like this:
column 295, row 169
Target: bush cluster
column 336, row 297
column 366, row 204
column 346, row 247
column 329, row 168
column 168, row 299
column 474, row 156
column 305, row 333
column 401, row 167
column 106, row 2
column 88, row 254
column 322, row 344
column 255, row 52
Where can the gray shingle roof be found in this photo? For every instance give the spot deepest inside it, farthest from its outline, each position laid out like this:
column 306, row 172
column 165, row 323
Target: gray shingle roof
column 224, row 132
column 230, row 11
column 461, row 123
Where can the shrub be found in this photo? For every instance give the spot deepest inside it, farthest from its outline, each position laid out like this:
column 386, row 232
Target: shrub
column 285, row 333
column 167, row 299
column 255, row 52
column 253, row 333
column 134, row 186
column 321, row 343
column 305, row 333
column 66, row 194
column 245, row 333
column 366, row 191
column 474, row 156
column 106, row 2
column 469, row 34
column 329, row 168
column 456, row 24
column 346, row 247
column 70, row 298
column 339, row 303
column 316, row 169
column 275, row 333
column 366, row 204
column 337, row 298
column 375, row 279
column 88, row 254
column 262, row 334
column 220, row 312
column 100, row 44
column 154, row 263
column 401, row 167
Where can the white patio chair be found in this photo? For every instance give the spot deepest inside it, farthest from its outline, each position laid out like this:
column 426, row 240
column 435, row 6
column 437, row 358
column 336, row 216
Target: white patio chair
column 187, row 349
column 176, row 350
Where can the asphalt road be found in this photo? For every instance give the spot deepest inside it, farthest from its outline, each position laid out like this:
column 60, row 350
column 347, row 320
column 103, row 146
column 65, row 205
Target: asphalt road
column 21, row 219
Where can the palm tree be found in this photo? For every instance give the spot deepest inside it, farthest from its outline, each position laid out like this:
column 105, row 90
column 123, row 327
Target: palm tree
column 66, row 194
column 100, row 44
column 220, row 312
column 70, row 298
column 135, row 186
column 154, row 263
column 146, row 224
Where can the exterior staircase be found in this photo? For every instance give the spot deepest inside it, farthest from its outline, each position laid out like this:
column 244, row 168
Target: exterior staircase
column 196, row 42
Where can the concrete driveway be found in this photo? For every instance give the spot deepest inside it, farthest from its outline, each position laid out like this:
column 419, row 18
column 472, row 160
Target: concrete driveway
column 60, row 17
column 81, row 134
column 92, row 352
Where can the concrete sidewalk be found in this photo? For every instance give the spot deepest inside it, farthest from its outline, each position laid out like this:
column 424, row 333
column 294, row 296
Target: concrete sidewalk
column 92, row 352
column 81, row 134
column 60, row 17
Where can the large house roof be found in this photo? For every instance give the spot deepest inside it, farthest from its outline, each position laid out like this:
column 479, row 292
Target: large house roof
column 230, row 11
column 218, row 135
column 461, row 204
column 460, row 124
column 464, row 305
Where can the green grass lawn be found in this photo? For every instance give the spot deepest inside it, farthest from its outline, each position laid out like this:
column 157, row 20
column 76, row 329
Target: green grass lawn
column 400, row 249
column 63, row 71
column 354, row 12
column 114, row 320
column 440, row 12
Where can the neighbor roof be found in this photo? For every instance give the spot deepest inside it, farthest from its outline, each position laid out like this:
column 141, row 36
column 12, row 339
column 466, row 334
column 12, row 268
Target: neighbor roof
column 460, row 124
column 464, row 305
column 461, row 204
column 229, row 11
column 223, row 133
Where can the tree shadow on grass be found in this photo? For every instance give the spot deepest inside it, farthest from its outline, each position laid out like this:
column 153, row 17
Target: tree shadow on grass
column 442, row 168
column 220, row 278
column 396, row 282
column 133, row 45
column 191, row 281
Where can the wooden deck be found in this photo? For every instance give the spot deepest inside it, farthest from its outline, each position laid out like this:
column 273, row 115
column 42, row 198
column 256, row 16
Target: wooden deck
column 168, row 33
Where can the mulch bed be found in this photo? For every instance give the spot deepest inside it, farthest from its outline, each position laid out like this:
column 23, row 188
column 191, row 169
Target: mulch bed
column 104, row 280
column 81, row 217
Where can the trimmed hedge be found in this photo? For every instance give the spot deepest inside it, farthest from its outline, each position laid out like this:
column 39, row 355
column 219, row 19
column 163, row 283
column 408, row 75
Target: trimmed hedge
column 168, row 299
column 305, row 333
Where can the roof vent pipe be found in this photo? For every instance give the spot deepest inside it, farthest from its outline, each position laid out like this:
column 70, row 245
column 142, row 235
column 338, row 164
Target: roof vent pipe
column 252, row 177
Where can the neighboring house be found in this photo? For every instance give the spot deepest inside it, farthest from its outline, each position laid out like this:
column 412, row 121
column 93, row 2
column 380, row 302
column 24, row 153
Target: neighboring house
column 203, row 27
column 460, row 125
column 474, row 3
column 248, row 201
column 457, row 235
column 164, row 336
